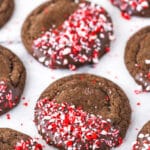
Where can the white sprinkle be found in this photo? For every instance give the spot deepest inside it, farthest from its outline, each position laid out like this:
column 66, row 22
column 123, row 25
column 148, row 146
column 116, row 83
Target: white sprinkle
column 141, row 135
column 147, row 61
column 95, row 60
column 66, row 51
column 46, row 62
column 65, row 62
column 148, row 88
column 139, row 8
column 42, row 59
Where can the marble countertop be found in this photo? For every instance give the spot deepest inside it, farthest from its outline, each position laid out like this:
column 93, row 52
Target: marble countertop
column 111, row 66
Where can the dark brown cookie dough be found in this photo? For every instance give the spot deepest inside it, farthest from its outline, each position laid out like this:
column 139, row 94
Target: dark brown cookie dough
column 137, row 57
column 12, row 80
column 90, row 94
column 14, row 140
column 76, row 33
column 133, row 7
column 143, row 138
column 6, row 10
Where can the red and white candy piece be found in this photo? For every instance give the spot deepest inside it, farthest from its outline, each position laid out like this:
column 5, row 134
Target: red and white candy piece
column 144, row 78
column 143, row 142
column 7, row 98
column 30, row 144
column 79, row 40
column 72, row 128
column 129, row 7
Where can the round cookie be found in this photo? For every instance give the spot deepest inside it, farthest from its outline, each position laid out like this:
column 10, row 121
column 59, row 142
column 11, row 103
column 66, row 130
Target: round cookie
column 6, row 10
column 14, row 140
column 143, row 138
column 133, row 7
column 83, row 111
column 12, row 80
column 137, row 57
column 67, row 33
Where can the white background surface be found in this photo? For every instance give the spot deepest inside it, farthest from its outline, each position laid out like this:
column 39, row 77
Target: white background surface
column 110, row 66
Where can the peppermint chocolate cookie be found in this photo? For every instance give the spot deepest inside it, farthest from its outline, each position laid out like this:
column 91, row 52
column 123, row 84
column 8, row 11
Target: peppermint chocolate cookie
column 133, row 7
column 67, row 33
column 137, row 57
column 83, row 111
column 14, row 140
column 143, row 139
column 12, row 80
column 6, row 10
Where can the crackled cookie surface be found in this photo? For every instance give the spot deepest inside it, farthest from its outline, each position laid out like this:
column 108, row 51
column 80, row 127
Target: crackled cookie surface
column 133, row 7
column 6, row 10
column 137, row 58
column 143, row 138
column 83, row 112
column 68, row 33
column 13, row 140
column 12, row 80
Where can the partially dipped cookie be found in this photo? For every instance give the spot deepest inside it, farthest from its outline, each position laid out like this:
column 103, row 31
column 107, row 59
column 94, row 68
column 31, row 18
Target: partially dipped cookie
column 137, row 58
column 12, row 80
column 143, row 138
column 133, row 7
column 83, row 111
column 14, row 140
column 67, row 33
column 6, row 10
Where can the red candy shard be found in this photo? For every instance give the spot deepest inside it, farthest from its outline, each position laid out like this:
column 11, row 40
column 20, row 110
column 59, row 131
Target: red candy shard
column 126, row 15
column 8, row 116
column 25, row 104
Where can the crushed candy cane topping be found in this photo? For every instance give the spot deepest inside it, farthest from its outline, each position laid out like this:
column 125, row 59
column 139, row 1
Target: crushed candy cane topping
column 144, row 78
column 143, row 142
column 72, row 128
column 7, row 97
column 28, row 145
column 129, row 7
column 79, row 40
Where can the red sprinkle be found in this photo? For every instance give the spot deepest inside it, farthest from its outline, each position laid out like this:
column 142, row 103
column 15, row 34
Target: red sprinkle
column 138, row 91
column 107, row 49
column 136, row 129
column 125, row 15
column 8, row 116
column 148, row 75
column 23, row 98
column 138, row 103
column 25, row 104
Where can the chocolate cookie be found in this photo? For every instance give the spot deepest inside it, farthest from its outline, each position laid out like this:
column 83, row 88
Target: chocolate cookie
column 137, row 57
column 14, row 140
column 12, row 80
column 143, row 139
column 133, row 7
column 6, row 10
column 67, row 33
column 83, row 111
